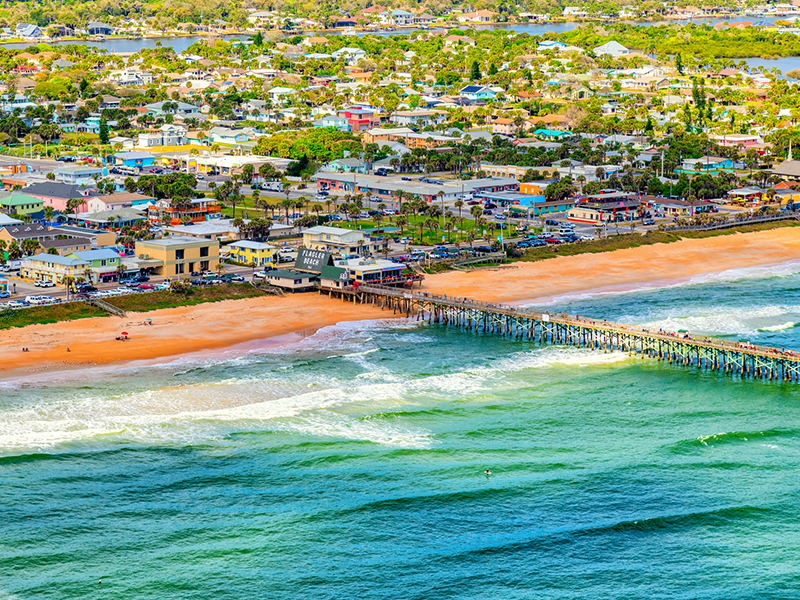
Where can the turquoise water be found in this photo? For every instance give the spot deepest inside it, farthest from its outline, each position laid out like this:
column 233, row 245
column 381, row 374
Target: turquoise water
column 351, row 465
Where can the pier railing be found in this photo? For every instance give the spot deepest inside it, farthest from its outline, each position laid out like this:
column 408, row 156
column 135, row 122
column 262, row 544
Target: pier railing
column 517, row 321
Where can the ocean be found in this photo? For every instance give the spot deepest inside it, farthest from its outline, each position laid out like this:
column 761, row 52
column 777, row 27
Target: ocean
column 352, row 465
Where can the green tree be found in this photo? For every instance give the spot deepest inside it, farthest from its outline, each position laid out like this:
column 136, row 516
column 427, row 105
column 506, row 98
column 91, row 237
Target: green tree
column 103, row 133
column 475, row 73
column 679, row 63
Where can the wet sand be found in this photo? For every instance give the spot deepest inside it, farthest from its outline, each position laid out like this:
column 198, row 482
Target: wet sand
column 213, row 326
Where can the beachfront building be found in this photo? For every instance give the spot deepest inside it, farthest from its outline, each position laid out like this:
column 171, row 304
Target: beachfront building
column 102, row 265
column 51, row 267
column 253, row 253
column 177, row 255
column 294, row 281
column 341, row 242
column 357, row 271
column 605, row 207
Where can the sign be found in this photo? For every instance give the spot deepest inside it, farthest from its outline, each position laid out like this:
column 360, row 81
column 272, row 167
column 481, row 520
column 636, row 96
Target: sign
column 546, row 318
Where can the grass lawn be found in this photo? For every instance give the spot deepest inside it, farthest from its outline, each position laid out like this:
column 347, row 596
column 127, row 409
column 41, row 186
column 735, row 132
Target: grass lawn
column 48, row 314
column 430, row 238
column 194, row 295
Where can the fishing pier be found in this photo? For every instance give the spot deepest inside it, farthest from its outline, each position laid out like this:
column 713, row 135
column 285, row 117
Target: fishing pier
column 678, row 348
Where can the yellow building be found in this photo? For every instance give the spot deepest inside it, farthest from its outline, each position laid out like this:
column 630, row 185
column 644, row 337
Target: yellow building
column 253, row 253
column 178, row 255
column 533, row 188
column 51, row 267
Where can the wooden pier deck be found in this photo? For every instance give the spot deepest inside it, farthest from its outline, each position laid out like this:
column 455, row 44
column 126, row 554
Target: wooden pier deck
column 736, row 358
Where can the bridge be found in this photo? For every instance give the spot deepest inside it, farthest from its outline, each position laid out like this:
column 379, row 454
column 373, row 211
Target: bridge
column 679, row 348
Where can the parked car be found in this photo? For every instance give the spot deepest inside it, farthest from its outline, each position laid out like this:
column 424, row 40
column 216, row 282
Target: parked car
column 648, row 222
column 18, row 304
column 5, row 295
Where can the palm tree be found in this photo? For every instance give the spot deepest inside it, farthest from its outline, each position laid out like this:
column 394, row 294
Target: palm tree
column 68, row 281
column 401, row 222
column 476, row 212
column 287, row 203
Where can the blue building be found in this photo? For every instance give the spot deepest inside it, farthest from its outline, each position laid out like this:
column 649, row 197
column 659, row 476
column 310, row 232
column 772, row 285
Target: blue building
column 339, row 123
column 476, row 93
column 134, row 159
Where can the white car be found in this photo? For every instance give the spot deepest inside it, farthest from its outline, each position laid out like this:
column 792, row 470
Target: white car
column 260, row 274
column 47, row 284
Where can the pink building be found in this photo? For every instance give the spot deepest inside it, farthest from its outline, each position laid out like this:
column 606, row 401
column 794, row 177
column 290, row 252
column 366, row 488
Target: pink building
column 737, row 140
column 58, row 195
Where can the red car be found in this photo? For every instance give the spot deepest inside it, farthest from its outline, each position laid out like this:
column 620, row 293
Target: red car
column 147, row 286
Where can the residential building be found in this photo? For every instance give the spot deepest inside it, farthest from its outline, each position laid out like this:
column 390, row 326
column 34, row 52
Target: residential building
column 26, row 31
column 168, row 134
column 345, row 165
column 98, row 28
column 175, row 108
column 418, row 118
column 58, row 195
column 360, row 119
column 478, row 16
column 341, row 242
column 197, row 210
column 116, row 201
column 612, row 48
column 340, row 123
column 21, row 204
column 78, row 174
column 504, row 126
column 253, row 253
column 477, row 93
column 178, row 255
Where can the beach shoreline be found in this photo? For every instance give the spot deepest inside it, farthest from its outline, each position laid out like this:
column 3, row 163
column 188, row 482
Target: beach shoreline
column 211, row 327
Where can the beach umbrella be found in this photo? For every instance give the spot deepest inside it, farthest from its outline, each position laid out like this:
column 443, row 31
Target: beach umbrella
column 124, row 333
column 148, row 319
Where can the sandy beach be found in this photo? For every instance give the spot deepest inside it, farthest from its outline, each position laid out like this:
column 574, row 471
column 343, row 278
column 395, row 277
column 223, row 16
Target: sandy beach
column 219, row 325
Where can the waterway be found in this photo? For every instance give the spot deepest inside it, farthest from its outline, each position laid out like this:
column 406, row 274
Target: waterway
column 351, row 465
column 182, row 43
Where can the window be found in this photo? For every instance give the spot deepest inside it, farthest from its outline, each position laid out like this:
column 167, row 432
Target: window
column 179, row 255
column 103, row 262
column 204, row 265
column 204, row 251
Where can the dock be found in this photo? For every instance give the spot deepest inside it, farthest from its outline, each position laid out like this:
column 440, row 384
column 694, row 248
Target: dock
column 678, row 348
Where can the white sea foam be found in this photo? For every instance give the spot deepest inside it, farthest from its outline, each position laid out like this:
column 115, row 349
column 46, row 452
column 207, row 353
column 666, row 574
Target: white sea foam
column 782, row 327
column 725, row 320
column 299, row 402
column 785, row 269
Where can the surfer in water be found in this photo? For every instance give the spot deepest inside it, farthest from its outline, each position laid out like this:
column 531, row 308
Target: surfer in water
column 487, row 472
